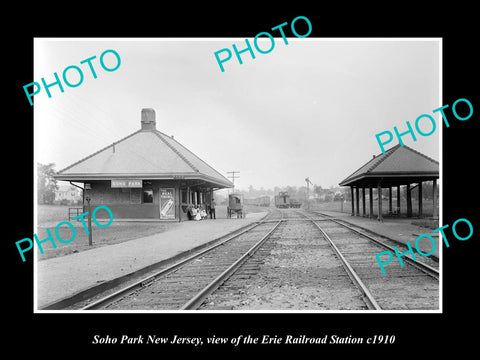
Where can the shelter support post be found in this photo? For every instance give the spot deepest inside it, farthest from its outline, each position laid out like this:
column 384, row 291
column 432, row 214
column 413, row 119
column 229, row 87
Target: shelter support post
column 358, row 201
column 398, row 199
column 390, row 200
column 370, row 199
column 434, row 198
column 420, row 200
column 178, row 201
column 353, row 201
column 363, row 201
column 380, row 217
column 409, row 201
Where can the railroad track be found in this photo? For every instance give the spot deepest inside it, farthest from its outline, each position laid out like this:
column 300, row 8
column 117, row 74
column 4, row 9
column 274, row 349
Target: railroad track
column 289, row 260
column 295, row 270
column 185, row 284
column 429, row 265
column 324, row 255
column 414, row 286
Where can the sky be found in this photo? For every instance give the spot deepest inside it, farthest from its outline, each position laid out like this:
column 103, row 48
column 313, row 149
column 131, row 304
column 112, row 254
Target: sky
column 311, row 108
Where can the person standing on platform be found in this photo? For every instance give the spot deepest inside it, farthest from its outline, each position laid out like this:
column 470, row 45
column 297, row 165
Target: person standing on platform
column 212, row 209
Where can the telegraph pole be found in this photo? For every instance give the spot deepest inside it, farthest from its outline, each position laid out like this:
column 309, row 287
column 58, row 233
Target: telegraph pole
column 88, row 198
column 307, row 180
column 233, row 177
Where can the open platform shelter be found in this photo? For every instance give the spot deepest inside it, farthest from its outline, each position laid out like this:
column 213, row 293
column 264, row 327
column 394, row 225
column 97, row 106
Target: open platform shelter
column 398, row 166
column 145, row 175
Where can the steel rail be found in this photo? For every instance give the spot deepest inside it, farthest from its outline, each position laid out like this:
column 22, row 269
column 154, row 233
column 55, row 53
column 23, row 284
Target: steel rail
column 369, row 299
column 371, row 302
column 417, row 264
column 296, row 219
column 198, row 299
column 146, row 281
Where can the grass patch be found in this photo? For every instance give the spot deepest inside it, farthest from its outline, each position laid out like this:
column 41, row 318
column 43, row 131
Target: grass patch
column 426, row 223
column 48, row 216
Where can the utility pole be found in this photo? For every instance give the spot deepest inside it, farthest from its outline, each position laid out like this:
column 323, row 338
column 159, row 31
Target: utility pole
column 307, row 180
column 87, row 190
column 233, row 177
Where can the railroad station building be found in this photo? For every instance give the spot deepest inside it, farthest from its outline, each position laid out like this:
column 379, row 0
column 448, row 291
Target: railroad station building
column 399, row 166
column 145, row 175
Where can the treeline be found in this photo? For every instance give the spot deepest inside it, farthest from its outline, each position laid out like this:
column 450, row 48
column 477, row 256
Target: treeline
column 333, row 193
column 46, row 184
column 299, row 193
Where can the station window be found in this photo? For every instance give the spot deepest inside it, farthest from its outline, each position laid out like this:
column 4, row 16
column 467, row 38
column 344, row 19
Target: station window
column 147, row 196
column 135, row 195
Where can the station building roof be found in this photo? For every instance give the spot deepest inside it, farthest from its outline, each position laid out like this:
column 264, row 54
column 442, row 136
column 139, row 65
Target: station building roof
column 144, row 154
column 400, row 165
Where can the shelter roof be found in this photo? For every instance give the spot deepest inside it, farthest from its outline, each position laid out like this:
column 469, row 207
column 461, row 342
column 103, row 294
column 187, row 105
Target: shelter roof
column 144, row 154
column 399, row 165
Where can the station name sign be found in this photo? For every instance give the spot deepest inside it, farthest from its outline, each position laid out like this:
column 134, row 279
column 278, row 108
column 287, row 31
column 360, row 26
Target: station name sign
column 126, row 183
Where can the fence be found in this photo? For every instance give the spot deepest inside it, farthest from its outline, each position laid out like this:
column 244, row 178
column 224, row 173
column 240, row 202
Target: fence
column 75, row 211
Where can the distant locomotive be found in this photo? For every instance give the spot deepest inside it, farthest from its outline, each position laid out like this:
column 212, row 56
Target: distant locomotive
column 283, row 200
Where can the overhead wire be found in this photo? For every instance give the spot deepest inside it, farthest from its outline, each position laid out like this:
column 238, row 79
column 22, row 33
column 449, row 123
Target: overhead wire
column 74, row 118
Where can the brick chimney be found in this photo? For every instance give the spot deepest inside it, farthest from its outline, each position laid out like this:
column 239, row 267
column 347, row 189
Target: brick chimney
column 148, row 119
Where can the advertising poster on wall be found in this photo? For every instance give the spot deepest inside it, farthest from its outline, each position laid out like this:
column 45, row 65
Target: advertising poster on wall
column 167, row 204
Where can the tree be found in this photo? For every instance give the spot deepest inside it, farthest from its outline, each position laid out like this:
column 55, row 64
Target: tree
column 46, row 184
column 317, row 189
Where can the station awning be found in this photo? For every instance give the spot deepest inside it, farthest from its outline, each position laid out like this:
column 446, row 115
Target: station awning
column 145, row 154
column 400, row 165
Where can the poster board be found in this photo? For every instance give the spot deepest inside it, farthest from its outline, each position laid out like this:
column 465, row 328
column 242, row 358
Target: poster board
column 167, row 203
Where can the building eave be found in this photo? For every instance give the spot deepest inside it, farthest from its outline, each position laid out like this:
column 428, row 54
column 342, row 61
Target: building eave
column 146, row 176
